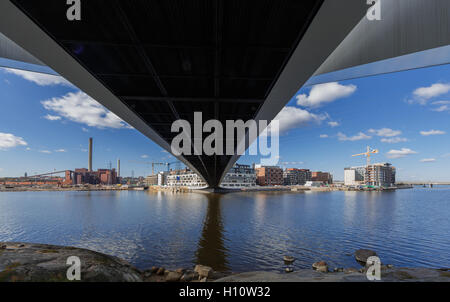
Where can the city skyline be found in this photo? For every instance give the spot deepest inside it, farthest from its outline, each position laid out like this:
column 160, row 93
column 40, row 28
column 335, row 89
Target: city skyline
column 404, row 115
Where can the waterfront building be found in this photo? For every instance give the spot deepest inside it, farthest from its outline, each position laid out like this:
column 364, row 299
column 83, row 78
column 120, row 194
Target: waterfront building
column 378, row 175
column 185, row 178
column 159, row 179
column 269, row 175
column 293, row 176
column 314, row 184
column 151, row 180
column 354, row 176
column 240, row 176
column 324, row 177
column 381, row 175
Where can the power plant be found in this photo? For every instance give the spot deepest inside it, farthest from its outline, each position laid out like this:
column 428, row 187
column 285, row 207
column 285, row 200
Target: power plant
column 90, row 155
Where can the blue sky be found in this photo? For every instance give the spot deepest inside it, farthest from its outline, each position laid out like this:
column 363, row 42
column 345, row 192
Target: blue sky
column 45, row 124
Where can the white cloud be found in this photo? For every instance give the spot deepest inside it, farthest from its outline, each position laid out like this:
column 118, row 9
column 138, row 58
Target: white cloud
column 358, row 137
column 394, row 140
column 144, row 156
column 61, row 150
column 81, row 108
column 84, row 129
column 385, row 132
column 441, row 103
column 333, row 124
column 8, row 141
column 52, row 117
column 432, row 91
column 46, row 152
column 324, row 136
column 325, row 93
column 293, row 117
column 40, row 79
column 441, row 108
column 428, row 160
column 400, row 153
column 432, row 132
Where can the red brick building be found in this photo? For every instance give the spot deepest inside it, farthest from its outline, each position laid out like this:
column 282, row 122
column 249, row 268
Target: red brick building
column 324, row 177
column 269, row 176
column 84, row 176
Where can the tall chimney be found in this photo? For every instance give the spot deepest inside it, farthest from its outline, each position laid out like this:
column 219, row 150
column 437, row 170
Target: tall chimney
column 118, row 168
column 90, row 154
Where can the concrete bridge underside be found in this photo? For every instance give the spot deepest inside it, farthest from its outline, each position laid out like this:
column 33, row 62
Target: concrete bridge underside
column 153, row 62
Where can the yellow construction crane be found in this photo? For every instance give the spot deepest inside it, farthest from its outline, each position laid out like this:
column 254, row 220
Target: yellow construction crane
column 368, row 154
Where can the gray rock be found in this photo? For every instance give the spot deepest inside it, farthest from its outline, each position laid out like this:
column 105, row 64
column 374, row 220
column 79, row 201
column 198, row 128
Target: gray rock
column 30, row 262
column 189, row 276
column 288, row 259
column 173, row 277
column 203, row 271
column 362, row 255
column 320, row 266
column 305, row 275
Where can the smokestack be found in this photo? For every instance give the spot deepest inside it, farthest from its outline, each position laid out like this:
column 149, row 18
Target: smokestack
column 90, row 154
column 118, row 168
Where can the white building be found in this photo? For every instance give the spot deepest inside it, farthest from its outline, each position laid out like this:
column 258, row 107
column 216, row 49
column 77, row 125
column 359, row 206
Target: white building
column 379, row 175
column 185, row 178
column 314, row 184
column 240, row 176
column 354, row 176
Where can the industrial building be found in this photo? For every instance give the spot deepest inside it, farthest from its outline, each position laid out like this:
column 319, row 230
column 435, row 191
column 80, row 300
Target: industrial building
column 84, row 176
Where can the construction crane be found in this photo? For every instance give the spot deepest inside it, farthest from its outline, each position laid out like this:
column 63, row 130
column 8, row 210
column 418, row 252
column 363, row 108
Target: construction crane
column 149, row 163
column 176, row 163
column 367, row 154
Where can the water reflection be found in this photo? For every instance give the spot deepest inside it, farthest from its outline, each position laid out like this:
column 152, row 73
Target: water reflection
column 237, row 232
column 211, row 246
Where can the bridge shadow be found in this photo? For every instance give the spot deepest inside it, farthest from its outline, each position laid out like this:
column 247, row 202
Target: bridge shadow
column 211, row 249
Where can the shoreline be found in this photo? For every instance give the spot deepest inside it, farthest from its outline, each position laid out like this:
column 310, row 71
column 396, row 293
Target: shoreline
column 31, row 262
column 293, row 189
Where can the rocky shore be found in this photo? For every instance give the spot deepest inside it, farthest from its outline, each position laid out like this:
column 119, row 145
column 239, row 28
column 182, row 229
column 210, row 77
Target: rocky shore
column 28, row 262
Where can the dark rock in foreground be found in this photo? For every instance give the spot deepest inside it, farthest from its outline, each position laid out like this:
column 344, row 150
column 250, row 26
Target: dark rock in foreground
column 362, row 255
column 30, row 262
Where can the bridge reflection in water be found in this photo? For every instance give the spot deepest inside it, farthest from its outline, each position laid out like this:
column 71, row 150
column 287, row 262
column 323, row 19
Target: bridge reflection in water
column 211, row 246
